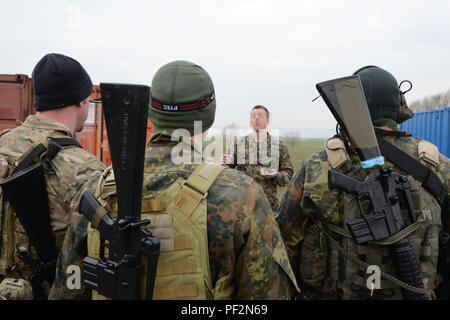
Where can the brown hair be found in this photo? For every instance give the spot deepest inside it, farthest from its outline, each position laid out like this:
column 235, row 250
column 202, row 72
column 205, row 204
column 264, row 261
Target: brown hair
column 260, row 107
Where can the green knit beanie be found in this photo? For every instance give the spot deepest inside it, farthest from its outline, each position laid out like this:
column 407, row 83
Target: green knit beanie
column 181, row 93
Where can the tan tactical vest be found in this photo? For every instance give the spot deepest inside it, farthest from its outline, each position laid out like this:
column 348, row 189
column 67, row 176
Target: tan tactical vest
column 178, row 218
column 13, row 236
column 339, row 265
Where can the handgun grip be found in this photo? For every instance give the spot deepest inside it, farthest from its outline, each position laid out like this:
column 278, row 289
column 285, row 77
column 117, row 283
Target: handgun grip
column 407, row 269
column 337, row 180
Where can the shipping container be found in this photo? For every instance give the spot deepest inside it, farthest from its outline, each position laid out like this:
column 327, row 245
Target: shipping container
column 431, row 125
column 88, row 136
column 95, row 130
column 16, row 104
column 16, row 100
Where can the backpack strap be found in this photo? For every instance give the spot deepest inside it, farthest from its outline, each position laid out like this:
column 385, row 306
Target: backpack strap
column 51, row 146
column 196, row 187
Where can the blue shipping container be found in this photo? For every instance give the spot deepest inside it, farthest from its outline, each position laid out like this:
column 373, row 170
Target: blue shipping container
column 431, row 125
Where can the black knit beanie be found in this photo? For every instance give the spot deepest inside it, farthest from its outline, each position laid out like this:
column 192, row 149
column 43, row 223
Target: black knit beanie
column 59, row 81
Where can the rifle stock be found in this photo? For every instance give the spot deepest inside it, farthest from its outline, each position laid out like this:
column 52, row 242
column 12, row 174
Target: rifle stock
column 26, row 192
column 345, row 99
column 118, row 275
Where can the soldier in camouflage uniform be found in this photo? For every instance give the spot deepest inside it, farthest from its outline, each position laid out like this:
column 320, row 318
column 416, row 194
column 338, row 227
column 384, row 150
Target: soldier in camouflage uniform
column 61, row 90
column 313, row 218
column 243, row 249
column 268, row 175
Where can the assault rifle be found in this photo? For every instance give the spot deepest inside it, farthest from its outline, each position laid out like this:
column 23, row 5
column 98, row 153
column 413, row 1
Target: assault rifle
column 127, row 239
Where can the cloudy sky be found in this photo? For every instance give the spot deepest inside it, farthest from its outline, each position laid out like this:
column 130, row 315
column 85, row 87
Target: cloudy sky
column 256, row 51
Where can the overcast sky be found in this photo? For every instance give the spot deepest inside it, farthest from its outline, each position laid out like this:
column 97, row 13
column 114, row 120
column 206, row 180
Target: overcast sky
column 256, row 51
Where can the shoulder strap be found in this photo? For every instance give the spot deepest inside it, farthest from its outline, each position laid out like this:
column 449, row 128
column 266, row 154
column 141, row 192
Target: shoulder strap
column 430, row 181
column 196, row 187
column 51, row 146
column 204, row 176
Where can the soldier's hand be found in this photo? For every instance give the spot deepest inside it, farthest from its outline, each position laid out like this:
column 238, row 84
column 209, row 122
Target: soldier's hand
column 269, row 173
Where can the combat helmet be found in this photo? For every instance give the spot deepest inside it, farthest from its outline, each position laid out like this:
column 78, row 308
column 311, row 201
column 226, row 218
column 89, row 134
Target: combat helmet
column 383, row 94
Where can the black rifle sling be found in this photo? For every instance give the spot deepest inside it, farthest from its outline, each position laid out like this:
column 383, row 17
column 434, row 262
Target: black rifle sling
column 430, row 181
column 55, row 142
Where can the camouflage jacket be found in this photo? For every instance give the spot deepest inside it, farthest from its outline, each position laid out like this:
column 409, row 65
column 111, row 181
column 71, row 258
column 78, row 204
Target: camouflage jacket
column 253, row 168
column 72, row 165
column 243, row 236
column 299, row 208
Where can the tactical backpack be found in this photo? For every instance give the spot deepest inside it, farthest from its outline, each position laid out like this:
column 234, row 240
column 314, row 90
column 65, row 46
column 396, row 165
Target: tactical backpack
column 332, row 263
column 18, row 257
column 178, row 218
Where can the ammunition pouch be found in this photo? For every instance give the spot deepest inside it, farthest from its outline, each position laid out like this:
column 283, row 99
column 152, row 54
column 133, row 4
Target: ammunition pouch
column 336, row 153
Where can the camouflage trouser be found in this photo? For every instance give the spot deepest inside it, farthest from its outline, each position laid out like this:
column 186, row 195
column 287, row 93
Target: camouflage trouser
column 274, row 204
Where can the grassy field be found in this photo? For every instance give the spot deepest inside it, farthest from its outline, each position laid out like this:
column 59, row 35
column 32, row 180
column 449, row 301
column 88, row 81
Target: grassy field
column 298, row 150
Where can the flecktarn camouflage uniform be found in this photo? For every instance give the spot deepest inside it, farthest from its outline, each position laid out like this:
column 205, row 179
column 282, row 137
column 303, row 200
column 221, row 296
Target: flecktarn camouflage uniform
column 253, row 170
column 308, row 206
column 246, row 251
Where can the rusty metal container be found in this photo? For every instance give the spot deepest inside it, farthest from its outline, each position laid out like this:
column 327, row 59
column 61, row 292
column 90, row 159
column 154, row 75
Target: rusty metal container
column 16, row 100
column 94, row 136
